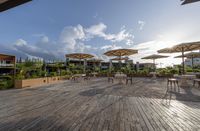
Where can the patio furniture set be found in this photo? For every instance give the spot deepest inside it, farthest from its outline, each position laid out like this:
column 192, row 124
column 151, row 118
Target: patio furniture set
column 183, row 81
column 120, row 77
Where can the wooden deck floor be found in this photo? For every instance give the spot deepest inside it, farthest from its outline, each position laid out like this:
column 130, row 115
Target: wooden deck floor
column 95, row 106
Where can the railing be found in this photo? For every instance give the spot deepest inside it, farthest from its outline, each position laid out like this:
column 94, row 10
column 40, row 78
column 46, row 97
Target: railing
column 6, row 65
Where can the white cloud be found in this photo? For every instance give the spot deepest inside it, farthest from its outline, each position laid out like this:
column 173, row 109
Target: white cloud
column 141, row 24
column 74, row 39
column 20, row 42
column 45, row 39
column 70, row 35
column 100, row 31
column 23, row 46
column 151, row 47
column 97, row 30
column 110, row 47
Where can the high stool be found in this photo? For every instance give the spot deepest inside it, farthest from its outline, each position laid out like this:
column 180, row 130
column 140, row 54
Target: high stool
column 173, row 81
column 196, row 80
column 111, row 79
column 129, row 79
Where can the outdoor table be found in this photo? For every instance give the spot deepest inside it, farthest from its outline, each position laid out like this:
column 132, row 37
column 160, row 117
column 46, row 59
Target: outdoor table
column 94, row 74
column 76, row 76
column 120, row 77
column 185, row 78
column 153, row 73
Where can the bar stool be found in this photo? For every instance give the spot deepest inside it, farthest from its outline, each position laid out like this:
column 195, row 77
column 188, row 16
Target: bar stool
column 173, row 81
column 196, row 81
column 110, row 78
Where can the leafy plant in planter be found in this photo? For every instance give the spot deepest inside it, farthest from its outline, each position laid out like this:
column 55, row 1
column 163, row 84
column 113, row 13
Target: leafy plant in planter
column 142, row 73
column 6, row 82
column 52, row 74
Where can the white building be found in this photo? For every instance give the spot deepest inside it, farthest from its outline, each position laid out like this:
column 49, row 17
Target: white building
column 196, row 61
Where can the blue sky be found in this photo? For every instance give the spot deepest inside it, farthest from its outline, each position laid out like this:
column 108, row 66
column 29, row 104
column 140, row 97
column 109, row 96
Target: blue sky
column 48, row 29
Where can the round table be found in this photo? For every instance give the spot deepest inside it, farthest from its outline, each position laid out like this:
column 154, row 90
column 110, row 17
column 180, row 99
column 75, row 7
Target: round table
column 184, row 80
column 120, row 77
column 153, row 73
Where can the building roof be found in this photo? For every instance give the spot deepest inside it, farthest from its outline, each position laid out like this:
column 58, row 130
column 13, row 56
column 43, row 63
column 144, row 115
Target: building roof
column 7, row 57
column 7, row 4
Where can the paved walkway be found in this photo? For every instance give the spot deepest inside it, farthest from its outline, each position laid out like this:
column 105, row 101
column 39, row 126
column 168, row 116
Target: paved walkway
column 99, row 106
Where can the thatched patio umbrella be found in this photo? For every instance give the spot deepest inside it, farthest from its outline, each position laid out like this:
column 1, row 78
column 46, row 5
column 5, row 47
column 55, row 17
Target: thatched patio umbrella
column 120, row 59
column 121, row 52
column 190, row 55
column 190, row 46
column 154, row 57
column 79, row 56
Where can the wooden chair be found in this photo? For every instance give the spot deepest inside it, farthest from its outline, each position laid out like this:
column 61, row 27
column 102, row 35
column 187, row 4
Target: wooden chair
column 110, row 78
column 74, row 78
column 196, row 81
column 87, row 77
column 129, row 78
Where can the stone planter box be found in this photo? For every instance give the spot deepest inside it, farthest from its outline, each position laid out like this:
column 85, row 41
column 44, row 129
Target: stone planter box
column 37, row 82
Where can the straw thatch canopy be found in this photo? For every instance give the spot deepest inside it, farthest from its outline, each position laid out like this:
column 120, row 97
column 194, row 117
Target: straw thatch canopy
column 120, row 59
column 79, row 56
column 190, row 55
column 95, row 60
column 155, row 56
column 7, row 4
column 190, row 46
column 189, row 1
column 121, row 52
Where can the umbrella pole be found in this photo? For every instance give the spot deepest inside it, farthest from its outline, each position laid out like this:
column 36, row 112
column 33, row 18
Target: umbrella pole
column 183, row 70
column 154, row 64
column 192, row 63
column 120, row 64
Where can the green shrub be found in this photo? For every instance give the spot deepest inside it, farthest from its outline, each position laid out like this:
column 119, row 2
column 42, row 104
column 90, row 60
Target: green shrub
column 142, row 73
column 68, row 72
column 196, row 70
column 63, row 72
column 6, row 84
column 52, row 74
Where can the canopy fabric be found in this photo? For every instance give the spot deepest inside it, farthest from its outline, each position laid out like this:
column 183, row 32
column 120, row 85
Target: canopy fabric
column 79, row 56
column 189, row 1
column 95, row 60
column 190, row 55
column 120, row 59
column 155, row 56
column 7, row 4
column 190, row 46
column 121, row 52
